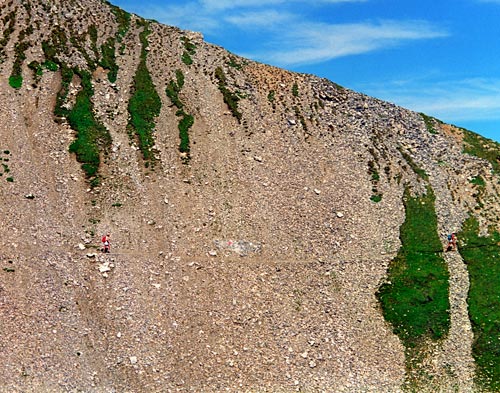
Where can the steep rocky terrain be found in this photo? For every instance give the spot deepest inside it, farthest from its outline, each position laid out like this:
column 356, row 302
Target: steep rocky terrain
column 248, row 244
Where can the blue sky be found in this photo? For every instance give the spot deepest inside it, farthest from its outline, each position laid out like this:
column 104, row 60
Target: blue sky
column 440, row 57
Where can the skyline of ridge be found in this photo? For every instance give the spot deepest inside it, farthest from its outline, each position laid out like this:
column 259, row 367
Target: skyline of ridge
column 427, row 57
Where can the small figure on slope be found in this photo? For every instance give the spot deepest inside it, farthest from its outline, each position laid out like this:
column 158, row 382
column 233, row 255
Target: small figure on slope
column 105, row 240
column 452, row 242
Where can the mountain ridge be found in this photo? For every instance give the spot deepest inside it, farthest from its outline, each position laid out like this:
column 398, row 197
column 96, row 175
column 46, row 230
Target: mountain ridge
column 248, row 244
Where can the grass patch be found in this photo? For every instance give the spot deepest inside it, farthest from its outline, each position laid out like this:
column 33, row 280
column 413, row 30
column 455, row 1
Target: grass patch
column 122, row 19
column 232, row 62
column 38, row 68
column 414, row 167
column 415, row 297
column 187, row 120
column 429, row 123
column 231, row 99
column 16, row 78
column 482, row 256
column 144, row 105
column 16, row 81
column 478, row 146
column 271, row 96
column 478, row 181
column 173, row 89
column 90, row 134
column 185, row 124
column 9, row 21
column 4, row 168
column 190, row 50
column 108, row 60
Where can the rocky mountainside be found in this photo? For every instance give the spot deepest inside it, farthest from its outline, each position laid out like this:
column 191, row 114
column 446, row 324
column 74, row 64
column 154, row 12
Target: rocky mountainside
column 270, row 231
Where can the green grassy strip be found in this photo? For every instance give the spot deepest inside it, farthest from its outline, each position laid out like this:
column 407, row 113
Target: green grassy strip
column 57, row 44
column 190, row 50
column 93, row 34
column 16, row 77
column 173, row 89
column 5, row 167
column 144, row 105
column 482, row 256
column 90, row 134
column 415, row 297
column 429, row 123
column 122, row 19
column 91, row 63
column 415, row 168
column 231, row 99
column 232, row 62
column 185, row 124
column 187, row 120
column 108, row 60
column 9, row 20
column 478, row 146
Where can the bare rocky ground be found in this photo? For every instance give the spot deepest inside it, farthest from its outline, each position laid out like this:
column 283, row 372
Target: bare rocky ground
column 252, row 268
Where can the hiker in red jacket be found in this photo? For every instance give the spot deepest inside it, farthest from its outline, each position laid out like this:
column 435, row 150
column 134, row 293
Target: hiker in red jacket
column 105, row 240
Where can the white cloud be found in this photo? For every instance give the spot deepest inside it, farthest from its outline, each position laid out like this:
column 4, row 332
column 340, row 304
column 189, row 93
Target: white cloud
column 315, row 42
column 290, row 38
column 186, row 16
column 208, row 15
column 267, row 19
column 470, row 99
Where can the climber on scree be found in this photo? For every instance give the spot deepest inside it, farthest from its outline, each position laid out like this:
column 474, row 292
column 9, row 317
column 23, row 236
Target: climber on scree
column 105, row 240
column 452, row 242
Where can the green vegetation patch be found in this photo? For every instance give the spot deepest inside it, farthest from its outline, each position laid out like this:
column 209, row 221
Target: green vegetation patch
column 91, row 136
column 482, row 256
column 478, row 181
column 271, row 97
column 429, row 123
column 374, row 177
column 108, row 59
column 481, row 147
column 16, row 78
column 144, row 105
column 122, row 19
column 415, row 297
column 173, row 89
column 230, row 98
column 9, row 21
column 16, row 81
column 414, row 167
column 301, row 118
column 187, row 120
column 5, row 157
column 55, row 45
column 232, row 62
column 190, row 50
column 80, row 44
column 38, row 68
